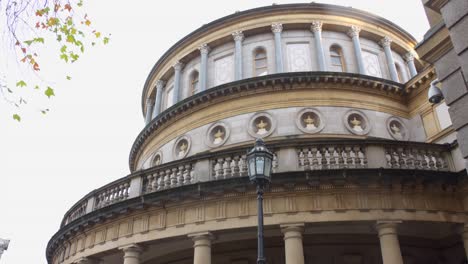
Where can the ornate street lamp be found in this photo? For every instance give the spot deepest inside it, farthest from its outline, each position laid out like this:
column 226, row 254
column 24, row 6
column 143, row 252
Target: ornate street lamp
column 259, row 161
column 3, row 245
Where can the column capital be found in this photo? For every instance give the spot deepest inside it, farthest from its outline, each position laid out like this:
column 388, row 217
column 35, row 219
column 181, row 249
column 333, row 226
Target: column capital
column 292, row 230
column 316, row 26
column 160, row 84
column 149, row 101
column 201, row 236
column 387, row 227
column 385, row 42
column 409, row 56
column 238, row 35
column 131, row 248
column 86, row 260
column 178, row 66
column 277, row 27
column 204, row 48
column 353, row 31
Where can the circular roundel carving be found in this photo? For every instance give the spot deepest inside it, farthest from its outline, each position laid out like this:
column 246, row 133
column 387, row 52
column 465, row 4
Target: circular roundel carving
column 181, row 147
column 261, row 125
column 357, row 122
column 157, row 159
column 397, row 129
column 217, row 135
column 310, row 121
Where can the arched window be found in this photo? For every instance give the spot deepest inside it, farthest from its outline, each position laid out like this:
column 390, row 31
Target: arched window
column 260, row 62
column 401, row 77
column 194, row 83
column 337, row 59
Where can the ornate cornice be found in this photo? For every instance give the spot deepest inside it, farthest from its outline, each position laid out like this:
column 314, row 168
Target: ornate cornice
column 276, row 27
column 279, row 81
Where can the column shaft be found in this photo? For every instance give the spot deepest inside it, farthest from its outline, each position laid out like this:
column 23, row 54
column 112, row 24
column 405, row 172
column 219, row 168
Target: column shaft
column 238, row 38
column 177, row 72
column 389, row 244
column 157, row 103
column 354, row 34
column 201, row 247
column 294, row 250
column 317, row 30
column 149, row 110
column 386, row 43
column 277, row 28
column 409, row 57
column 204, row 50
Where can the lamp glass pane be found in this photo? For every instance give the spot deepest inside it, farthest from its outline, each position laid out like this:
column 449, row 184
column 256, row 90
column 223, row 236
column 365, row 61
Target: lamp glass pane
column 267, row 167
column 252, row 166
column 260, row 165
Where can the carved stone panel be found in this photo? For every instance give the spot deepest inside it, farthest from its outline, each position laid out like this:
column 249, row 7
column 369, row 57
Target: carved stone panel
column 299, row 57
column 224, row 70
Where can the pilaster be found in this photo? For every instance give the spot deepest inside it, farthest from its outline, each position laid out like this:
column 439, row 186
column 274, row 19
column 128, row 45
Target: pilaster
column 277, row 28
column 204, row 50
column 353, row 33
column 316, row 28
column 238, row 38
column 157, row 104
column 386, row 44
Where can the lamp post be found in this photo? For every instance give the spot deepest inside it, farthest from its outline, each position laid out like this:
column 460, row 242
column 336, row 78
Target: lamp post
column 259, row 167
column 3, row 245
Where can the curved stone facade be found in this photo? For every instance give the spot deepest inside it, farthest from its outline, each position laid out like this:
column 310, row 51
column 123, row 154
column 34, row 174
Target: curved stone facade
column 363, row 169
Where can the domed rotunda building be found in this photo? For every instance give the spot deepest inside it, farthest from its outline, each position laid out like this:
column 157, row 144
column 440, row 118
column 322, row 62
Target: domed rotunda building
column 365, row 169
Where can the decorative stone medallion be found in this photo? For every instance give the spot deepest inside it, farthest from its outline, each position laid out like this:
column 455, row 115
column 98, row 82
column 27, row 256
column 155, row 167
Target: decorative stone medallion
column 261, row 125
column 357, row 122
column 217, row 135
column 181, row 147
column 310, row 121
column 397, row 128
column 157, row 159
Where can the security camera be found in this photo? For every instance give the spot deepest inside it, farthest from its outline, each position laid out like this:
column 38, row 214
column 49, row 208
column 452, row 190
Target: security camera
column 435, row 94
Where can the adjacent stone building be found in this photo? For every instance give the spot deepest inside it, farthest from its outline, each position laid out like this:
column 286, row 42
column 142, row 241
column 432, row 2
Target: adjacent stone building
column 366, row 169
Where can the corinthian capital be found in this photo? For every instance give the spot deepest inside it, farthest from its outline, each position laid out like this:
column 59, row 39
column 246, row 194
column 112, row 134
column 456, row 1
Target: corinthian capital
column 178, row 66
column 385, row 42
column 409, row 56
column 354, row 31
column 277, row 27
column 204, row 48
column 160, row 84
column 238, row 36
column 316, row 26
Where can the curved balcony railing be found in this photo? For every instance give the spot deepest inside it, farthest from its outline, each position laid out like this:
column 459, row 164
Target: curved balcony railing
column 295, row 155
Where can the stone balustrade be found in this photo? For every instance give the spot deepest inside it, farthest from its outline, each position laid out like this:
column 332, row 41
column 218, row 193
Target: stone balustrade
column 300, row 155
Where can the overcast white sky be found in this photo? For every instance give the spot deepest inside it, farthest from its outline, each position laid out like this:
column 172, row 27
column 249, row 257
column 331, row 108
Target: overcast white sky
column 48, row 163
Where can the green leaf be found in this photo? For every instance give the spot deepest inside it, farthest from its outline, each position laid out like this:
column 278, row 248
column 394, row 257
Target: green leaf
column 64, row 57
column 105, row 40
column 40, row 40
column 17, row 117
column 68, row 77
column 44, row 111
column 49, row 92
column 21, row 84
column 63, row 48
column 36, row 87
column 28, row 42
column 59, row 38
column 74, row 56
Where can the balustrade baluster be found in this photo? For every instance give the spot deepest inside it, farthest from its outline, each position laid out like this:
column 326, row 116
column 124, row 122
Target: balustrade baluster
column 315, row 161
column 126, row 189
column 187, row 178
column 149, row 185
column 154, row 182
column 173, row 177
column 401, row 158
column 167, row 179
column 235, row 167
column 218, row 168
column 424, row 164
column 227, row 167
column 409, row 158
column 341, row 162
column 180, row 175
column 349, row 158
column 430, row 155
column 333, row 165
column 301, row 158
column 274, row 163
column 357, row 158
column 308, row 160
column 244, row 165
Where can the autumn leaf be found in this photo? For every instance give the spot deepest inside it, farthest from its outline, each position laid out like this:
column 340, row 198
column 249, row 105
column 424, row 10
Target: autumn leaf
column 21, row 83
column 36, row 67
column 87, row 22
column 17, row 117
column 67, row 7
column 49, row 92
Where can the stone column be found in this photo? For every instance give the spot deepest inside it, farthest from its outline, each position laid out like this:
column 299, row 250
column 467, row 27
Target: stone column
column 385, row 43
column 201, row 247
column 149, row 110
column 204, row 50
column 157, row 103
column 238, row 38
column 353, row 33
column 294, row 251
column 317, row 30
column 131, row 254
column 277, row 28
column 177, row 72
column 389, row 244
column 409, row 58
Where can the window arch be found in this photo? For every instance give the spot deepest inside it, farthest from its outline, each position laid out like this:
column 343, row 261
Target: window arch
column 260, row 62
column 337, row 59
column 194, row 82
column 399, row 71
